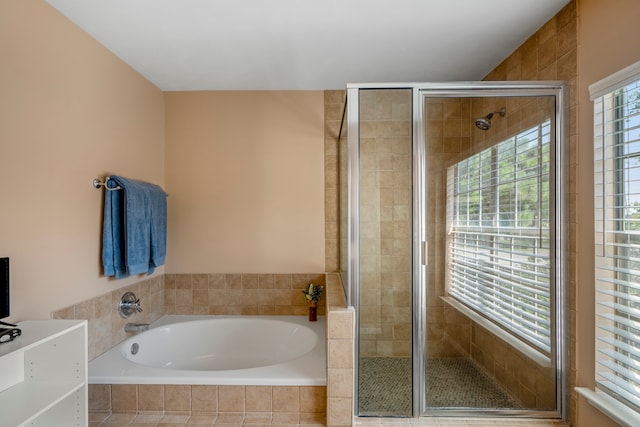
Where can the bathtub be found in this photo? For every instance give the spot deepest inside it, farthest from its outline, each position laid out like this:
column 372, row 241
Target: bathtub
column 218, row 350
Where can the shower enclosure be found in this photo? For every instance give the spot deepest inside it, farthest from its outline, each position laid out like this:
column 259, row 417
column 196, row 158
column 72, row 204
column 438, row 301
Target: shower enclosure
column 453, row 244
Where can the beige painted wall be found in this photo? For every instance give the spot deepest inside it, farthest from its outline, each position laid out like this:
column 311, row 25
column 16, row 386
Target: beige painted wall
column 245, row 177
column 608, row 34
column 69, row 111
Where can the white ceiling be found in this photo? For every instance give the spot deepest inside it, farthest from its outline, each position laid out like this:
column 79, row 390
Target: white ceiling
column 308, row 44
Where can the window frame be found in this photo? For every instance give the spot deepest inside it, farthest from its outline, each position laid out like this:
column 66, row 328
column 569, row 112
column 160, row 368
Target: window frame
column 612, row 275
column 482, row 301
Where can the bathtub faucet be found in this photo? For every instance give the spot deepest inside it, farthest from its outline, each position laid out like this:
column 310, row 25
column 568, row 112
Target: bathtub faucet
column 136, row 327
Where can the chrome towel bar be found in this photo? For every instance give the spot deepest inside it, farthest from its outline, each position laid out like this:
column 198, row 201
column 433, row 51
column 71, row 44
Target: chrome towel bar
column 97, row 184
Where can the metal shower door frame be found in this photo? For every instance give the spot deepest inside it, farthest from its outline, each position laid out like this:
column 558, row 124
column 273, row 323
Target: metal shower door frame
column 420, row 91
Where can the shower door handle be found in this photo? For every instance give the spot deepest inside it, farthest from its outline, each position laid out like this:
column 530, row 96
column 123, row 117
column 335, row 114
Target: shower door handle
column 424, row 252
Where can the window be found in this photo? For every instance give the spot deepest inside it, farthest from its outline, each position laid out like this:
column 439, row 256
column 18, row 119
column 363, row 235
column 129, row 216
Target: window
column 499, row 234
column 617, row 237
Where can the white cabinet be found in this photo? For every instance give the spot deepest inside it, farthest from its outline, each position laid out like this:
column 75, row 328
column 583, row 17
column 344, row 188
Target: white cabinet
column 43, row 375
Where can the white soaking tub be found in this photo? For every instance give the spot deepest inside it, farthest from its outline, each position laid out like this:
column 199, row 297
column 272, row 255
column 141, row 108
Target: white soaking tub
column 218, row 350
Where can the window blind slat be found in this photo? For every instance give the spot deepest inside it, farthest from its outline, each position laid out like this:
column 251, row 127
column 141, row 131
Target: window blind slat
column 622, row 296
column 632, row 351
column 494, row 272
column 617, row 233
column 499, row 255
column 619, row 319
column 499, row 299
column 622, row 311
column 538, row 299
column 536, row 335
column 619, row 369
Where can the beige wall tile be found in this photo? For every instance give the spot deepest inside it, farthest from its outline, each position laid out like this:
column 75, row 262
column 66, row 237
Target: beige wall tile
column 183, row 281
column 313, row 399
column 284, row 419
column 200, row 281
column 315, row 419
column 201, row 297
column 150, row 398
column 231, row 398
column 233, row 281
column 204, row 399
column 258, row 399
column 340, row 325
column 177, row 398
column 339, row 412
column 282, row 281
column 124, row 398
column 216, row 281
column 340, row 354
column 340, row 382
column 103, row 307
column 286, row 399
column 170, row 281
column 99, row 397
column 184, row 297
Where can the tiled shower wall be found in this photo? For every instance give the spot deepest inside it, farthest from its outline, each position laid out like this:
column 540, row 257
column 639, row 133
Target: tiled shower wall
column 334, row 207
column 550, row 54
column 385, row 223
column 448, row 133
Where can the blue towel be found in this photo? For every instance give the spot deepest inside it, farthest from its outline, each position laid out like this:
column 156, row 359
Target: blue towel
column 135, row 228
column 113, row 233
column 158, row 242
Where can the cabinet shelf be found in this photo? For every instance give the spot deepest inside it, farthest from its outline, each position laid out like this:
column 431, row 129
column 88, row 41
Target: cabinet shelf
column 46, row 381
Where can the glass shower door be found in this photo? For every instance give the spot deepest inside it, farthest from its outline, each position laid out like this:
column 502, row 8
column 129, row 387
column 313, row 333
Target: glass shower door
column 385, row 243
column 492, row 186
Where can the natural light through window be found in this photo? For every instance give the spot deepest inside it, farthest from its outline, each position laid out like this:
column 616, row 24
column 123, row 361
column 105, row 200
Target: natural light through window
column 617, row 242
column 498, row 248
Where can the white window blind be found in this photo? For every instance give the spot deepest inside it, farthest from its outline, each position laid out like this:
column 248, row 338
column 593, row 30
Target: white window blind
column 498, row 257
column 617, row 237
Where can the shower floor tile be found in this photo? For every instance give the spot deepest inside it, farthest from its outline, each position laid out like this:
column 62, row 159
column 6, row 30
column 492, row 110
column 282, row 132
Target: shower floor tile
column 385, row 386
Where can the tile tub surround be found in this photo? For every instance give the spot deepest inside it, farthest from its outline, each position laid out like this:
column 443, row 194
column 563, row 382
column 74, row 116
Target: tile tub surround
column 264, row 294
column 298, row 402
column 340, row 354
column 239, row 294
column 231, row 294
column 105, row 326
column 335, row 401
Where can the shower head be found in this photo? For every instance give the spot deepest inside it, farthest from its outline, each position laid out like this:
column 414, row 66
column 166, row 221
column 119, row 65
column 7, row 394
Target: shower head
column 484, row 123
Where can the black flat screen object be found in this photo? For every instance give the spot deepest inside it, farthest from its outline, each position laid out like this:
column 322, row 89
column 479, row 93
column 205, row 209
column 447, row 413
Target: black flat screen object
column 4, row 287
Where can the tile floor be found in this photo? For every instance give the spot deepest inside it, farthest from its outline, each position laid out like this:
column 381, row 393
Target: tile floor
column 255, row 420
column 294, row 420
column 455, row 422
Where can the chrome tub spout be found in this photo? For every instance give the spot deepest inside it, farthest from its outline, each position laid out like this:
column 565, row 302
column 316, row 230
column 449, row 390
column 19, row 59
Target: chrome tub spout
column 136, row 327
